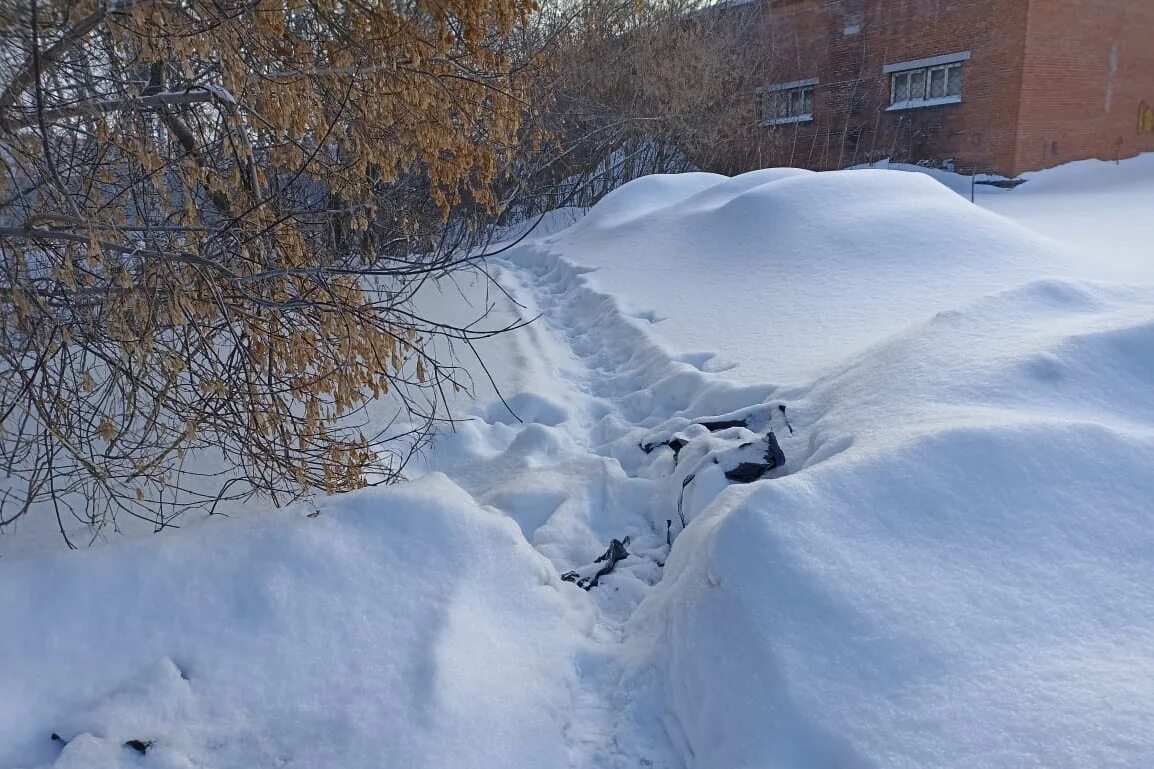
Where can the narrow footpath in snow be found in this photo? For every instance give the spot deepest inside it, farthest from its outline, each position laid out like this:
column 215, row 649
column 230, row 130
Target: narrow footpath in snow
column 626, row 442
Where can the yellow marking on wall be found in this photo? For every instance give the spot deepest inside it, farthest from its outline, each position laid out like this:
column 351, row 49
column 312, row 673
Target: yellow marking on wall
column 1145, row 118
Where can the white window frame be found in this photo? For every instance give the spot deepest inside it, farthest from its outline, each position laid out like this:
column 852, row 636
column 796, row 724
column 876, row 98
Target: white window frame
column 926, row 68
column 769, row 93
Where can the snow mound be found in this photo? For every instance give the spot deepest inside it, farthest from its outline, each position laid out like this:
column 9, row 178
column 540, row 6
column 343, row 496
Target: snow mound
column 1097, row 211
column 641, row 197
column 957, row 577
column 404, row 627
column 786, row 272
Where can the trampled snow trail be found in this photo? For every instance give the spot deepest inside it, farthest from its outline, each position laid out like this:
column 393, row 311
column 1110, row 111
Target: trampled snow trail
column 573, row 474
column 598, row 375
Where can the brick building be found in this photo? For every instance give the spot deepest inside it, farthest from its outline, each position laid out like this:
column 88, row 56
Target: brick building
column 1003, row 86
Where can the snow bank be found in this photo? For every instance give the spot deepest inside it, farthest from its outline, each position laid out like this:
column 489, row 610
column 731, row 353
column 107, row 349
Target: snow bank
column 400, row 628
column 786, row 272
column 1097, row 212
column 959, row 574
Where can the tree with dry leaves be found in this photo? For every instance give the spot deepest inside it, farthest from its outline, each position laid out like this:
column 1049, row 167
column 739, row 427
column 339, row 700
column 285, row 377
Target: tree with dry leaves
column 214, row 215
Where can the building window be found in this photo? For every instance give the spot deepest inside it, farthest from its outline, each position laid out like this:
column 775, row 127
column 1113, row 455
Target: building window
column 926, row 87
column 927, row 82
column 787, row 102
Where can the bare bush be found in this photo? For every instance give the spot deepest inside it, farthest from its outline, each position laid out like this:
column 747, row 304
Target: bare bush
column 638, row 88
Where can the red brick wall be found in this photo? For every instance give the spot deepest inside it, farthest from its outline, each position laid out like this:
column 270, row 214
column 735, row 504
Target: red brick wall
column 1035, row 92
column 792, row 47
column 980, row 132
column 1089, row 71
column 816, row 38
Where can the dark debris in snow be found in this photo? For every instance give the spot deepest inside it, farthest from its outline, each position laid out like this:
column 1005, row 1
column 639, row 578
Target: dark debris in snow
column 616, row 552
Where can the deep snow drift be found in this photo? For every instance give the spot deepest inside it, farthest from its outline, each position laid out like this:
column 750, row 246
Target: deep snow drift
column 958, row 572
column 952, row 568
column 1098, row 212
column 402, row 627
column 786, row 271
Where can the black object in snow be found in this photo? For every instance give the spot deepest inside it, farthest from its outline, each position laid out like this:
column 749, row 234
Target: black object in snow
column 748, row 472
column 781, row 408
column 610, row 557
column 140, row 746
column 774, row 456
column 723, row 424
column 677, row 444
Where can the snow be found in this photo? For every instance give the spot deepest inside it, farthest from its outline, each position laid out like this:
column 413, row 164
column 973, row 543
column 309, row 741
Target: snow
column 787, row 272
column 405, row 623
column 951, row 568
column 958, row 574
column 1096, row 212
